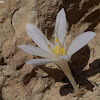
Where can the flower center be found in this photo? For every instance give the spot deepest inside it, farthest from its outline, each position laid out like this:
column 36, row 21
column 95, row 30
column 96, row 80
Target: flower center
column 59, row 50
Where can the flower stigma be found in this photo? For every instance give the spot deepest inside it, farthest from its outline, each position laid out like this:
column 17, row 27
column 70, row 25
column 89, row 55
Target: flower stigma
column 59, row 49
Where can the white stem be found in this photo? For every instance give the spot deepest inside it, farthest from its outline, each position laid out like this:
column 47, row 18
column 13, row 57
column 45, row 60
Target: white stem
column 73, row 82
column 65, row 67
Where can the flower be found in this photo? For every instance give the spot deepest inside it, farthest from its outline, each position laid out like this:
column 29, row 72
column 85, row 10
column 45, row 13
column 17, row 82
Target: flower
column 56, row 53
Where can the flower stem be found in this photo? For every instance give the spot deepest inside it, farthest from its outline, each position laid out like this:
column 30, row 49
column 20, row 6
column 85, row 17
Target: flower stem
column 73, row 82
column 65, row 67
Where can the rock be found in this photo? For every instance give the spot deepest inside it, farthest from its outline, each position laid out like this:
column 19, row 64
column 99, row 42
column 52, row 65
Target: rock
column 2, row 79
column 7, row 70
column 19, row 81
column 8, row 48
column 25, row 14
column 19, row 60
column 38, row 97
column 39, row 88
column 6, row 30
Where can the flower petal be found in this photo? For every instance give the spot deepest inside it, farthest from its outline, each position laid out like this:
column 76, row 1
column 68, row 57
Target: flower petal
column 36, row 51
column 38, row 37
column 64, row 57
column 80, row 41
column 61, row 27
column 37, row 62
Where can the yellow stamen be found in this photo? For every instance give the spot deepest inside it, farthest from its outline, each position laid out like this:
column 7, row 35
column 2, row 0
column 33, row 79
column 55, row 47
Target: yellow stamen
column 59, row 43
column 53, row 51
column 63, row 51
column 56, row 48
column 56, row 40
column 59, row 50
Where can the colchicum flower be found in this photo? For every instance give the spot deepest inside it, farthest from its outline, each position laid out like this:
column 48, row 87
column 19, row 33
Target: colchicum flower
column 56, row 53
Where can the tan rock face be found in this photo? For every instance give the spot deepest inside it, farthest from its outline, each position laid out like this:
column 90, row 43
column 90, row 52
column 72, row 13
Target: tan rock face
column 19, row 81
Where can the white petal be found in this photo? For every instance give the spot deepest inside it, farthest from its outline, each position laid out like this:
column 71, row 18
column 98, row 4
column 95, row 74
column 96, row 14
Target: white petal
column 64, row 57
column 61, row 26
column 80, row 41
column 37, row 62
column 38, row 37
column 35, row 51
